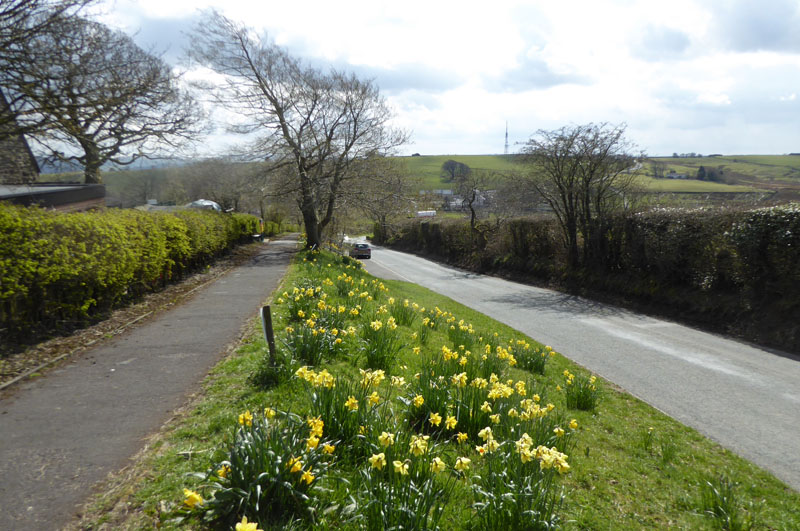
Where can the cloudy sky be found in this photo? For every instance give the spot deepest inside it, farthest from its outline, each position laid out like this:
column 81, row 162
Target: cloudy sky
column 705, row 76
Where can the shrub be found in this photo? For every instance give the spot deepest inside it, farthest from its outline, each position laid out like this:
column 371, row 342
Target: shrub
column 58, row 270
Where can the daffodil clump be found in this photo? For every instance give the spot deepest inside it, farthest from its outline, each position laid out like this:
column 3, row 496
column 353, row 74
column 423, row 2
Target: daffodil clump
column 534, row 360
column 581, row 391
column 402, row 439
column 268, row 473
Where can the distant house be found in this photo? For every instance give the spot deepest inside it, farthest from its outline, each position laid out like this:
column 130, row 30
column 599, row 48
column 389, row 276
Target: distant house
column 673, row 175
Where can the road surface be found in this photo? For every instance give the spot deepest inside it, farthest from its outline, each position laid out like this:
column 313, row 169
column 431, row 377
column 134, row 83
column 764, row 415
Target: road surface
column 744, row 397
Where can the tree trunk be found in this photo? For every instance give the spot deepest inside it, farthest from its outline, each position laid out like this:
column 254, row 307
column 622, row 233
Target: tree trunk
column 91, row 163
column 312, row 227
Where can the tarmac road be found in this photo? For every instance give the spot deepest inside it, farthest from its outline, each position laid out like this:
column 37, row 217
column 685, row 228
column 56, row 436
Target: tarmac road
column 63, row 433
column 744, row 397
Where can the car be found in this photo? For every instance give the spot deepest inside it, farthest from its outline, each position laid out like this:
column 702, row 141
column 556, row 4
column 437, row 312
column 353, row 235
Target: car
column 360, row 250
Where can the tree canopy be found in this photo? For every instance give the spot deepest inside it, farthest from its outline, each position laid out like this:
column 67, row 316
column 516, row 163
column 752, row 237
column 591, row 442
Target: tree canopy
column 582, row 172
column 89, row 94
column 319, row 124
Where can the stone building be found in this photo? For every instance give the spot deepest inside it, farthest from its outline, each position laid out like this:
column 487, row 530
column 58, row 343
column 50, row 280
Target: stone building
column 17, row 163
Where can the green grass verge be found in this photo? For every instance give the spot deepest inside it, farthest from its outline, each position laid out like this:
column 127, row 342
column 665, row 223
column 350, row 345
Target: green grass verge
column 631, row 466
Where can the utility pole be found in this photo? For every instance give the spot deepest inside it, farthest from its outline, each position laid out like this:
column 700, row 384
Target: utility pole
column 505, row 151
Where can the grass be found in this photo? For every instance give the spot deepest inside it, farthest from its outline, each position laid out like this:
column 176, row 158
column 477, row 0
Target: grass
column 617, row 479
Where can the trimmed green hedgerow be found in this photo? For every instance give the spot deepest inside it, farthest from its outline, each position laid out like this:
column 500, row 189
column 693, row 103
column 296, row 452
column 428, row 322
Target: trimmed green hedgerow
column 58, row 270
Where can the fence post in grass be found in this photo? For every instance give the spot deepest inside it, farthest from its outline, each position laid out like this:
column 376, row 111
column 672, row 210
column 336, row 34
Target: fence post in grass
column 269, row 334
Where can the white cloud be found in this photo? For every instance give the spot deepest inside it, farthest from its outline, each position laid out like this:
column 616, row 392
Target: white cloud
column 682, row 72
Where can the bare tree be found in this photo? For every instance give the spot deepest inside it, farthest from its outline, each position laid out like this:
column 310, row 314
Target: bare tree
column 386, row 193
column 580, row 173
column 20, row 22
column 658, row 168
column 471, row 187
column 92, row 96
column 320, row 124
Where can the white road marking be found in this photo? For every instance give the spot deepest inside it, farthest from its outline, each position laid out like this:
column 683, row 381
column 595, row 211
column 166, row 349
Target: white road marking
column 698, row 359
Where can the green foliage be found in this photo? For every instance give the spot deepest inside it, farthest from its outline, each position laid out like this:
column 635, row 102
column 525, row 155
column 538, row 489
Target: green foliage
column 721, row 500
column 581, row 391
column 58, row 270
column 534, row 360
column 738, row 270
column 517, row 489
column 381, row 343
column 268, row 472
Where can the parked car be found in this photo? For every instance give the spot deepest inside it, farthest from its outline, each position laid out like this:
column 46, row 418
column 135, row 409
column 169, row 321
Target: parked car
column 360, row 250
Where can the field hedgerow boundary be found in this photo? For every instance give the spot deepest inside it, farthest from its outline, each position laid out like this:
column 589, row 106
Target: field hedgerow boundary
column 736, row 271
column 59, row 270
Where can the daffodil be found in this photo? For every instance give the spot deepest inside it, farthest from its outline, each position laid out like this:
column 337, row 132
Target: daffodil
column 378, row 461
column 558, row 431
column 437, row 465
column 351, row 403
column 386, row 439
column 573, row 424
column 419, row 444
column 193, row 499
column 374, row 398
column 435, row 419
column 246, row 419
column 450, row 422
column 462, row 464
column 244, row 525
column 328, row 448
column 294, row 465
column 418, row 401
column 401, row 467
column 307, row 476
column 269, row 413
column 316, row 424
column 461, row 437
column 223, row 471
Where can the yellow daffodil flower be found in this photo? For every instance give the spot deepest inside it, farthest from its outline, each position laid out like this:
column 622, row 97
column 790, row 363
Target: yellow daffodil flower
column 244, row 525
column 193, row 499
column 378, row 461
column 386, row 439
column 401, row 468
column 351, row 403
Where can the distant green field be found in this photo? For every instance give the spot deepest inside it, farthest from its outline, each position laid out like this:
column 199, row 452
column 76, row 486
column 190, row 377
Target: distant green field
column 753, row 168
column 429, row 168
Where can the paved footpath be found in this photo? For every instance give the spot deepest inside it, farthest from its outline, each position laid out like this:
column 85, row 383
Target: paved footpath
column 61, row 434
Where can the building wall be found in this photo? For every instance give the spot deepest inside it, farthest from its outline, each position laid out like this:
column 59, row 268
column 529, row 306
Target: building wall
column 17, row 164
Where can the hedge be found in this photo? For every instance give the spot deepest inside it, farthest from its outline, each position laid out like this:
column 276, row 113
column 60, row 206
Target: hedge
column 58, row 270
column 736, row 270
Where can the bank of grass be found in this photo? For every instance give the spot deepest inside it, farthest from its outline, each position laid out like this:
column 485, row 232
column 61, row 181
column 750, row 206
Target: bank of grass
column 631, row 466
